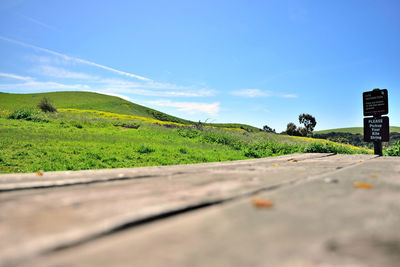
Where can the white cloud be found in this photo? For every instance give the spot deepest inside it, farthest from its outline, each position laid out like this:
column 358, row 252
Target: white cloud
column 152, row 88
column 147, row 92
column 14, row 76
column 117, row 95
column 289, row 96
column 251, row 93
column 48, row 65
column 150, row 92
column 190, row 107
column 36, row 86
column 116, row 87
column 56, row 72
column 75, row 59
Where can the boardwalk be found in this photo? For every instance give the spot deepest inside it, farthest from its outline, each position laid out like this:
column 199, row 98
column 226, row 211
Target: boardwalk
column 295, row 210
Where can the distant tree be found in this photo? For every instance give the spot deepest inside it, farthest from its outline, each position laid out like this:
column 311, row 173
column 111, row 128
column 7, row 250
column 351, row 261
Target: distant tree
column 268, row 129
column 302, row 131
column 308, row 121
column 46, row 106
column 291, row 129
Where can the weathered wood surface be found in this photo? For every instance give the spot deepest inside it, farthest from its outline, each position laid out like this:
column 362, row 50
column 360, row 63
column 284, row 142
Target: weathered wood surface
column 319, row 218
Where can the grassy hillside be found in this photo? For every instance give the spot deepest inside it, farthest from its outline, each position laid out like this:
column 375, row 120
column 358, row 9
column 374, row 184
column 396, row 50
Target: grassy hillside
column 98, row 102
column 354, row 130
column 93, row 131
column 76, row 140
column 85, row 101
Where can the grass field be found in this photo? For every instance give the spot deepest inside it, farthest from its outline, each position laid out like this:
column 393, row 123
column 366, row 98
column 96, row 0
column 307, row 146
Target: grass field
column 83, row 137
column 97, row 102
column 83, row 100
column 77, row 141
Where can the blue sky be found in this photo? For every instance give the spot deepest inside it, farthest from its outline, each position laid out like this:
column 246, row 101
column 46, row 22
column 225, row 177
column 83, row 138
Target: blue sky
column 254, row 62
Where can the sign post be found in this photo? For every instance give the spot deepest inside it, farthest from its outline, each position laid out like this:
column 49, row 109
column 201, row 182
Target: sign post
column 376, row 129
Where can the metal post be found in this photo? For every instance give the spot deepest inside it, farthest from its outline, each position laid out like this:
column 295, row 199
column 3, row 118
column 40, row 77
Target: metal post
column 377, row 144
column 378, row 148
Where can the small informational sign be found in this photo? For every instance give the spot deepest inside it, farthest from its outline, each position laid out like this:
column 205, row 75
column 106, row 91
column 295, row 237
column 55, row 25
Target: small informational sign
column 375, row 102
column 376, row 129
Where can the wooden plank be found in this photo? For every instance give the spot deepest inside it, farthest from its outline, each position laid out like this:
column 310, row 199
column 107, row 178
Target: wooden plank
column 324, row 222
column 10, row 182
column 42, row 220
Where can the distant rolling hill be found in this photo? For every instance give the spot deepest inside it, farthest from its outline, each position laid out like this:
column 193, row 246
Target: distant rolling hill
column 95, row 101
column 354, row 130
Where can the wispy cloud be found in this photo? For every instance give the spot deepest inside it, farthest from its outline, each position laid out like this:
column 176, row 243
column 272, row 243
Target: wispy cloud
column 251, row 93
column 289, row 96
column 117, row 87
column 117, row 95
column 74, row 59
column 190, row 107
column 56, row 72
column 38, row 22
column 14, row 76
column 152, row 88
column 148, row 92
column 35, row 86
column 154, row 92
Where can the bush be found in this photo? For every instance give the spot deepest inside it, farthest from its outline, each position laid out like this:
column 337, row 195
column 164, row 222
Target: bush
column 327, row 148
column 25, row 114
column 268, row 129
column 188, row 132
column 77, row 124
column 223, row 139
column 393, row 150
column 128, row 124
column 267, row 149
column 46, row 106
column 183, row 150
column 145, row 149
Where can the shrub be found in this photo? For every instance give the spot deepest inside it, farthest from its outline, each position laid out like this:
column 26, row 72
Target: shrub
column 128, row 124
column 268, row 129
column 46, row 106
column 77, row 124
column 221, row 138
column 393, row 150
column 327, row 148
column 183, row 150
column 25, row 114
column 188, row 132
column 267, row 149
column 142, row 149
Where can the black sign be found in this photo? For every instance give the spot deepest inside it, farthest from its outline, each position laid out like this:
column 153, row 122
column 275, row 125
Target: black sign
column 376, row 129
column 375, row 102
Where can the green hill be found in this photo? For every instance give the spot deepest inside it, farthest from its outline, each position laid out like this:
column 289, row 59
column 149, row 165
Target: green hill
column 87, row 101
column 354, row 130
column 94, row 131
column 99, row 102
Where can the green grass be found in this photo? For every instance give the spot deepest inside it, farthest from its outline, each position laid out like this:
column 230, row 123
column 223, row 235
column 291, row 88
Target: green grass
column 57, row 142
column 94, row 131
column 27, row 146
column 98, row 102
column 393, row 150
column 84, row 100
column 354, row 130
